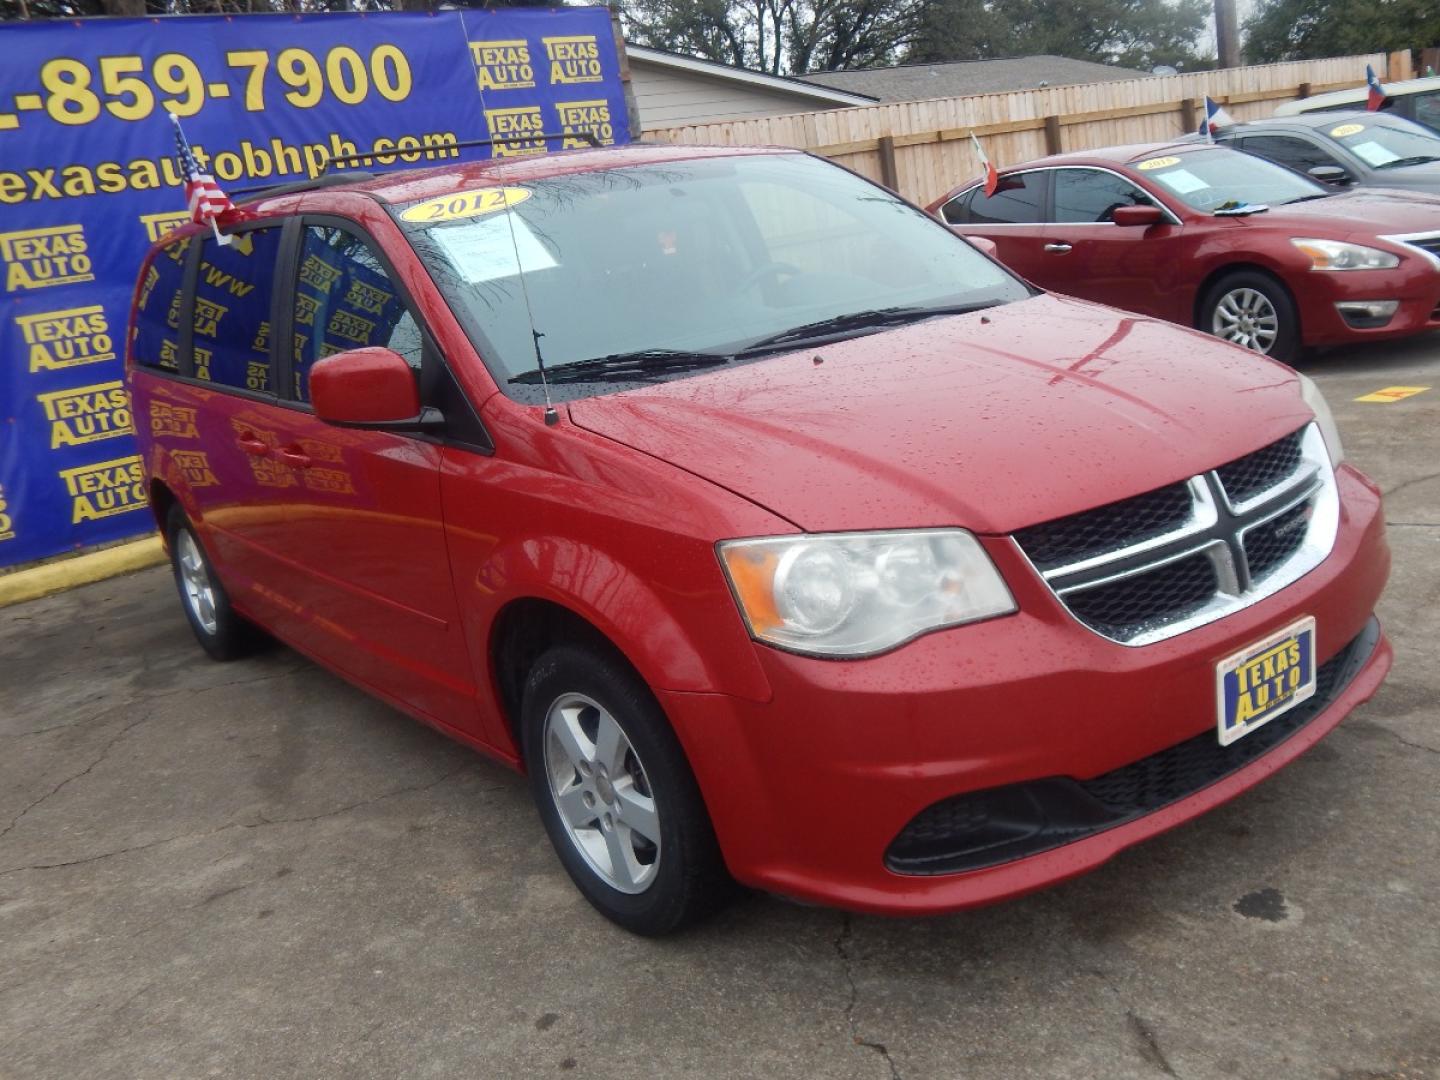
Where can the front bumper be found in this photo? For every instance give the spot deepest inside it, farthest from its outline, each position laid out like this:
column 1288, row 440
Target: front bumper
column 809, row 791
column 1320, row 294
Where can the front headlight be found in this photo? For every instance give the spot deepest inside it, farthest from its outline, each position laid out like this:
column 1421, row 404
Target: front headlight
column 1321, row 408
column 857, row 594
column 1334, row 255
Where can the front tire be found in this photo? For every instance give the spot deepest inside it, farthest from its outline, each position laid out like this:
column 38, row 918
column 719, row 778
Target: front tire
column 1254, row 311
column 616, row 794
column 221, row 631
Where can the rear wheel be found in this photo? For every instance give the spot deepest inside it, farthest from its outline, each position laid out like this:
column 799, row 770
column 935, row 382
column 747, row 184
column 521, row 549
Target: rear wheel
column 223, row 633
column 1254, row 311
column 616, row 794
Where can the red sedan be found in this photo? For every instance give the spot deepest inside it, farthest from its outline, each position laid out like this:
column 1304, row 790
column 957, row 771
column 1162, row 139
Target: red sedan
column 1207, row 237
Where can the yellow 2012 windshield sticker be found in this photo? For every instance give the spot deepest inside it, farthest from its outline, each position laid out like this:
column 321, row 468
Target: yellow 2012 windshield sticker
column 1346, row 129
column 467, row 204
column 1157, row 163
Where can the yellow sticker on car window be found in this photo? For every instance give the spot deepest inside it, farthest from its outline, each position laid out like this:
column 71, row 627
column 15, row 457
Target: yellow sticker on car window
column 467, row 204
column 1158, row 163
column 1346, row 129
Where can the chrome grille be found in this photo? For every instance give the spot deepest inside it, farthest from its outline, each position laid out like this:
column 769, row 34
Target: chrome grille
column 1105, row 528
column 1254, row 474
column 1426, row 244
column 1153, row 566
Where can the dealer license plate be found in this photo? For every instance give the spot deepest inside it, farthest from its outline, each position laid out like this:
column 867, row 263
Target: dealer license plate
column 1265, row 679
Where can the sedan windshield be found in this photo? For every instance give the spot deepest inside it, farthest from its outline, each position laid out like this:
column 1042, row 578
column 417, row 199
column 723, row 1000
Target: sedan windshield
column 665, row 270
column 1221, row 180
column 1386, row 142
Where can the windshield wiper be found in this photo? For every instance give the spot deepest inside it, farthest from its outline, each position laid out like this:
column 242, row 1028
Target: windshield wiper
column 1417, row 159
column 1307, row 198
column 641, row 364
column 1243, row 210
column 855, row 322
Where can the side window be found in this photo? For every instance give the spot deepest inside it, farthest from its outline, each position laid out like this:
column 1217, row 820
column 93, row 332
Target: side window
column 232, row 310
column 345, row 300
column 1015, row 202
column 1298, row 154
column 157, row 313
column 1089, row 195
column 1425, row 109
column 957, row 210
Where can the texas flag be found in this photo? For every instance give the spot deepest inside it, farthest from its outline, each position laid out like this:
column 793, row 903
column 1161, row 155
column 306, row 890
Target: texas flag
column 1215, row 118
column 1377, row 92
column 992, row 178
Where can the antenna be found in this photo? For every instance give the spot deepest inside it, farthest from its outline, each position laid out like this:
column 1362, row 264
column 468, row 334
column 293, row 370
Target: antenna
column 551, row 416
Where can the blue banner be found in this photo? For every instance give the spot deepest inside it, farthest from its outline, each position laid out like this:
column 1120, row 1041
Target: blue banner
column 88, row 181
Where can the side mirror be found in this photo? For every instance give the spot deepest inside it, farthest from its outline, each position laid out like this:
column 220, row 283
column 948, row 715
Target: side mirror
column 985, row 244
column 370, row 388
column 1329, row 174
column 1135, row 216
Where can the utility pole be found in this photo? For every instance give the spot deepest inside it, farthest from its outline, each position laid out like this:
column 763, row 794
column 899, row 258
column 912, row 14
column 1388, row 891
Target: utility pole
column 1227, row 34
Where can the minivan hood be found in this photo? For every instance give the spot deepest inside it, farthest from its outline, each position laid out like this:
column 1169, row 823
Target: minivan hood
column 991, row 421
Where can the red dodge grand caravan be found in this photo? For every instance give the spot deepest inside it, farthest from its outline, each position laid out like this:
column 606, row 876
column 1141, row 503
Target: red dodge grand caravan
column 777, row 533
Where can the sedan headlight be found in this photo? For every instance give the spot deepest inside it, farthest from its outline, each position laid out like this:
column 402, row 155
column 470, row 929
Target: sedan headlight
column 857, row 594
column 1321, row 408
column 1334, row 255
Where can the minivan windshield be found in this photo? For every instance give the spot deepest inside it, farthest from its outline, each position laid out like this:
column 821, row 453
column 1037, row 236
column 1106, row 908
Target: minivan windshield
column 667, row 269
column 1225, row 180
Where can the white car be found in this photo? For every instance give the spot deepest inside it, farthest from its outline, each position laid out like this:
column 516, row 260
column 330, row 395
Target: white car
column 1414, row 99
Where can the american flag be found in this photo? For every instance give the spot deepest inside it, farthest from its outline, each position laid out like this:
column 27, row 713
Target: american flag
column 207, row 202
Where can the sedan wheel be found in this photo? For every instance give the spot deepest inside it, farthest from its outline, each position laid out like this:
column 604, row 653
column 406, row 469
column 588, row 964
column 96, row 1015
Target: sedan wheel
column 1251, row 309
column 1247, row 318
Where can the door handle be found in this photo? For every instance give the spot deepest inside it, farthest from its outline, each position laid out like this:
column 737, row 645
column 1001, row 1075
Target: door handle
column 1057, row 249
column 294, row 456
column 252, row 446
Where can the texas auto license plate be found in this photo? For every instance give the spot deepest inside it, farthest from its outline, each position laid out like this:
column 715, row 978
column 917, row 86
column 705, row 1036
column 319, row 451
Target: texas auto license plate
column 1263, row 680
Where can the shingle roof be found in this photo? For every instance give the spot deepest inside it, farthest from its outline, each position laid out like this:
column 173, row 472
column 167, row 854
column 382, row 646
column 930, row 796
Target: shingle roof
column 916, row 82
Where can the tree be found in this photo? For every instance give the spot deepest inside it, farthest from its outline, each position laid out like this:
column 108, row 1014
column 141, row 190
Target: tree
column 1303, row 29
column 782, row 37
column 1131, row 33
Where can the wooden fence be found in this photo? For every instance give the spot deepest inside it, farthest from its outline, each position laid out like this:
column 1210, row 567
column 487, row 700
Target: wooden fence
column 922, row 148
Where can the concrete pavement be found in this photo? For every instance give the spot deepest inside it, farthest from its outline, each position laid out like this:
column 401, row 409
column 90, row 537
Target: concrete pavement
column 253, row 870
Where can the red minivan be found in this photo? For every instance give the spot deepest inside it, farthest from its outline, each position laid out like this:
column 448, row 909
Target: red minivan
column 777, row 533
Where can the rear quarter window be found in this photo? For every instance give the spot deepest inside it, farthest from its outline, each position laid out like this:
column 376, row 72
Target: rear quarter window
column 158, row 308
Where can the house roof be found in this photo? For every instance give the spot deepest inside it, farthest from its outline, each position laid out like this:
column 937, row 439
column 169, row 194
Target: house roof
column 959, row 78
column 803, row 90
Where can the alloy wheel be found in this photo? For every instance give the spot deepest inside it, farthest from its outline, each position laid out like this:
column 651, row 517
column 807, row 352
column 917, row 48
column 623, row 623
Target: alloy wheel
column 602, row 793
column 1246, row 317
column 195, row 581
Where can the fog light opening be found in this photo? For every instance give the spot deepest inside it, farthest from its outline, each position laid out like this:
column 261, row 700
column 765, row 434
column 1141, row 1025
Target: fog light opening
column 1367, row 314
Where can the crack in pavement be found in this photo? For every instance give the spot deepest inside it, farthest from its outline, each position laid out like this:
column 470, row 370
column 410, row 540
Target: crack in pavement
column 1148, row 1045
column 1412, row 524
column 1411, row 483
column 76, row 776
column 842, row 943
column 264, row 822
column 1404, row 741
